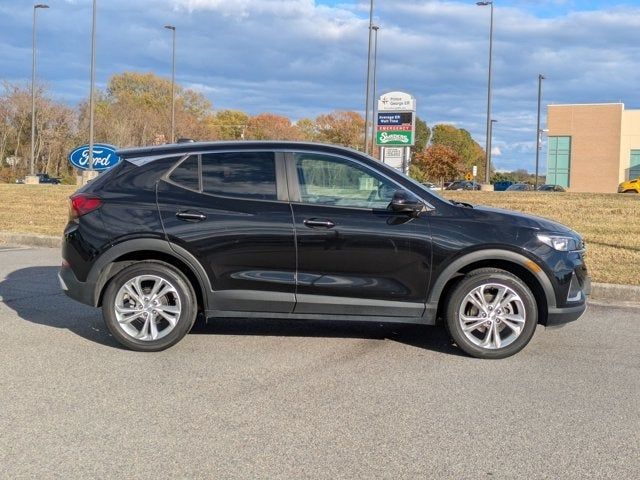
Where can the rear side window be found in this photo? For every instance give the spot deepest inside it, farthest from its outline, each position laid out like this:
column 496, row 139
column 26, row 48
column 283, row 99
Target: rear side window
column 249, row 175
column 186, row 174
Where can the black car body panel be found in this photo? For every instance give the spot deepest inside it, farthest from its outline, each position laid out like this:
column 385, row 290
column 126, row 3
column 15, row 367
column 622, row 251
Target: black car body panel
column 284, row 257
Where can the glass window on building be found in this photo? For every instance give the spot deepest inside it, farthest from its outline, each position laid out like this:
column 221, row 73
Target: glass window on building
column 559, row 161
column 634, row 165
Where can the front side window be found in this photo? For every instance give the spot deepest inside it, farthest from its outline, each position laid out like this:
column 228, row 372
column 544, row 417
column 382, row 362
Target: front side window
column 250, row 175
column 333, row 181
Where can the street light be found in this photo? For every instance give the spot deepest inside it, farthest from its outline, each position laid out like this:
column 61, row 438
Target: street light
column 538, row 131
column 173, row 83
column 491, row 130
column 488, row 143
column 92, row 87
column 33, row 89
column 375, row 62
column 367, row 102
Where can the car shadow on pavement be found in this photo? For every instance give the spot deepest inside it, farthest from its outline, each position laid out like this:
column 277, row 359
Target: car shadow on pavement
column 433, row 338
column 35, row 295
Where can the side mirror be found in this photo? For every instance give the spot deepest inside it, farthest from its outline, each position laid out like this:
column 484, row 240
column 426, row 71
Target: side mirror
column 406, row 202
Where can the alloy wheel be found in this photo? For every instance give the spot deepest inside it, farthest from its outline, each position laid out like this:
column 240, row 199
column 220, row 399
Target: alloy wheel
column 147, row 307
column 492, row 316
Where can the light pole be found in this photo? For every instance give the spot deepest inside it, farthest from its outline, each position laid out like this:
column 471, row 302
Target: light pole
column 367, row 102
column 488, row 143
column 92, row 87
column 491, row 131
column 173, row 83
column 538, row 131
column 373, row 96
column 33, row 90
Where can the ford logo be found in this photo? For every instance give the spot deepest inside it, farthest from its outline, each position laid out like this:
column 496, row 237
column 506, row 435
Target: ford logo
column 104, row 157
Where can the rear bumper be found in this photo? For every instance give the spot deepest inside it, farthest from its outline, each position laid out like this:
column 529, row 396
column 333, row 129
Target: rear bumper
column 82, row 292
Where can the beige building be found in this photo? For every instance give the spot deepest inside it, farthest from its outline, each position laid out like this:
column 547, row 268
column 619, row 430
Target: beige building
column 592, row 147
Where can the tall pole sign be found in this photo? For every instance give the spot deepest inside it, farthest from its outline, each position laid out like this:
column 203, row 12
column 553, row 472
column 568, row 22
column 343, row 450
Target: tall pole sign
column 396, row 128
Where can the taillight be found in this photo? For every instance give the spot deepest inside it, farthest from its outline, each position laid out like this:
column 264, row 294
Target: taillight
column 81, row 204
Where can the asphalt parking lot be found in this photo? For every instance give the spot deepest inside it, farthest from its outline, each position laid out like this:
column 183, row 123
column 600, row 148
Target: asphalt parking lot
column 285, row 399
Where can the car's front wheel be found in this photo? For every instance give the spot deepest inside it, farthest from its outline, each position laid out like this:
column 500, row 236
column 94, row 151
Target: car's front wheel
column 149, row 306
column 491, row 313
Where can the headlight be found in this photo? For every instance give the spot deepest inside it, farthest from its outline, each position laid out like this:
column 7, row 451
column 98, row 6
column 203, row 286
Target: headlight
column 559, row 242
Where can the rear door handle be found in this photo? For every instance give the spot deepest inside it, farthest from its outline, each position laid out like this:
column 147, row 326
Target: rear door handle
column 191, row 216
column 312, row 222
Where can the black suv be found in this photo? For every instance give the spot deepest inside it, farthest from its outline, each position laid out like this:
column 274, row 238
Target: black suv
column 308, row 231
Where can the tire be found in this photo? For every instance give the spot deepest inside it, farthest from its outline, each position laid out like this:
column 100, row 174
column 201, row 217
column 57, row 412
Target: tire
column 494, row 330
column 144, row 320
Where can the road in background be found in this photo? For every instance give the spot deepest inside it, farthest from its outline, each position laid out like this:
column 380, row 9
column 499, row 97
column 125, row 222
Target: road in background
column 287, row 399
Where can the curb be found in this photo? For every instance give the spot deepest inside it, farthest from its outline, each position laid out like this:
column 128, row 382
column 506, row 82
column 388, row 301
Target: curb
column 30, row 240
column 625, row 295
column 611, row 292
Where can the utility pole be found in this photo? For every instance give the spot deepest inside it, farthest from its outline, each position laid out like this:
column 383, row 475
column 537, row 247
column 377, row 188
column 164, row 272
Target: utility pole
column 367, row 100
column 538, row 131
column 173, row 84
column 33, row 90
column 91, row 90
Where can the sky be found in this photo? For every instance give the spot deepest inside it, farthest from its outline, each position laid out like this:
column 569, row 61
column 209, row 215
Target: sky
column 302, row 58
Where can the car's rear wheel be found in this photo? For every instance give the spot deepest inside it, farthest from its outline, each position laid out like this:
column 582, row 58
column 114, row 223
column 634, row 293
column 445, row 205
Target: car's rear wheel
column 149, row 306
column 491, row 313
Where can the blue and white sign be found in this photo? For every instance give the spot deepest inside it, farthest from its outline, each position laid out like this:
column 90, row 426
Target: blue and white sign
column 104, row 157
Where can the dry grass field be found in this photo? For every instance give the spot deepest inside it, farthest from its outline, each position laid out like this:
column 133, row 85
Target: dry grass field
column 610, row 223
column 40, row 209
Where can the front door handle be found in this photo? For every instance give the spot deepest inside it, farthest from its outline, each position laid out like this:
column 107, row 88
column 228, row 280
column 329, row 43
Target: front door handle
column 313, row 222
column 191, row 216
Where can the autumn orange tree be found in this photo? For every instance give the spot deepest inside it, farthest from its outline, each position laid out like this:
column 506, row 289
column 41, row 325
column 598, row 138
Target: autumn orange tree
column 228, row 125
column 341, row 128
column 135, row 109
column 437, row 163
column 460, row 140
column 55, row 127
column 268, row 126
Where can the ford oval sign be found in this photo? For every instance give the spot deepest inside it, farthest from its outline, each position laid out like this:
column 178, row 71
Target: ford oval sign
column 104, row 157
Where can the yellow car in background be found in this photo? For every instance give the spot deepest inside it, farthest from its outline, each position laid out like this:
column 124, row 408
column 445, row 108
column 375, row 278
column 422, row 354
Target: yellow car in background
column 630, row 186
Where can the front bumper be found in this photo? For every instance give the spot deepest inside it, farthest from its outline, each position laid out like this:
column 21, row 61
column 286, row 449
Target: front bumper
column 561, row 316
column 572, row 312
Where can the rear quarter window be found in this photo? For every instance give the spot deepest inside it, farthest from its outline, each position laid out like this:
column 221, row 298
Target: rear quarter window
column 186, row 174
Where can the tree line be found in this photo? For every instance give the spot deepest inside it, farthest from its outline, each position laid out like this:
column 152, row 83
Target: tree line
column 134, row 110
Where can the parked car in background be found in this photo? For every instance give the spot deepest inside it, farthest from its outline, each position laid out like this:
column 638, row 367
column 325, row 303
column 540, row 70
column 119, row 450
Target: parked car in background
column 431, row 186
column 43, row 178
column 551, row 188
column 307, row 231
column 463, row 185
column 520, row 187
column 502, row 186
column 630, row 186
